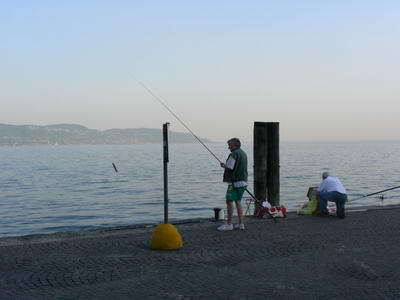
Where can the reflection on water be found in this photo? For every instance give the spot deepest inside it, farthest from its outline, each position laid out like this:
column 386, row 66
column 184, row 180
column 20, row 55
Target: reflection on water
column 47, row 189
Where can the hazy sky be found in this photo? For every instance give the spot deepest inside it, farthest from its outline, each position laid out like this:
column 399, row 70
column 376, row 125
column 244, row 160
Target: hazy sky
column 327, row 70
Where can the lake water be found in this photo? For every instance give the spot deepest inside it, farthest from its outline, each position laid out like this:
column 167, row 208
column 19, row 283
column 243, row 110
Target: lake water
column 49, row 189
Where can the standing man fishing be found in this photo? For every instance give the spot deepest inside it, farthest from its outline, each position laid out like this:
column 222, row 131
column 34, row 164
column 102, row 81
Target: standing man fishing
column 235, row 175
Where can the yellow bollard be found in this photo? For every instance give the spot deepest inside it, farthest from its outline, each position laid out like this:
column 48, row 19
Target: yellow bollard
column 166, row 237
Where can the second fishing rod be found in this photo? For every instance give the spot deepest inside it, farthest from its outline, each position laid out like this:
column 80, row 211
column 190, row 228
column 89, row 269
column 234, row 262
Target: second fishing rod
column 374, row 193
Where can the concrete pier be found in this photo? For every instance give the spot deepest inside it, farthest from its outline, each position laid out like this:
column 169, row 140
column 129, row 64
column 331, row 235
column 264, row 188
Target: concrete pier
column 296, row 258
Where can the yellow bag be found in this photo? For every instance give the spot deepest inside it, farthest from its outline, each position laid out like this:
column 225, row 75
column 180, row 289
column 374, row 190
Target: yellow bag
column 309, row 208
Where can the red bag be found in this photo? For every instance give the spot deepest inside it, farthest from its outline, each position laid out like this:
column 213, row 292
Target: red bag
column 272, row 212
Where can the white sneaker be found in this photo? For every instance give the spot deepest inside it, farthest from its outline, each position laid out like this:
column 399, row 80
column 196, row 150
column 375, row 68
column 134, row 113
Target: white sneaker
column 225, row 227
column 239, row 226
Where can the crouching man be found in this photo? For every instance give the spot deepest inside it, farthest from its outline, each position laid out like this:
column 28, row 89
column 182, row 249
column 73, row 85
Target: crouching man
column 331, row 189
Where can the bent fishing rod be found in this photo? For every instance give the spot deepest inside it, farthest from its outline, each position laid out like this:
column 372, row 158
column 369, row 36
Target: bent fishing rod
column 191, row 132
column 393, row 188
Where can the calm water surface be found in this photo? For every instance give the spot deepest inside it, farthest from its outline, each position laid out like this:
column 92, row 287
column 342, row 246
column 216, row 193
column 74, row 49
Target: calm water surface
column 49, row 189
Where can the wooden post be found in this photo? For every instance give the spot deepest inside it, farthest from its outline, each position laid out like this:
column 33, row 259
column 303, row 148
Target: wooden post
column 266, row 162
column 166, row 160
column 260, row 162
column 273, row 182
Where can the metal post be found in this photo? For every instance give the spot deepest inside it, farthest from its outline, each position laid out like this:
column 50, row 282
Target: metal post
column 166, row 160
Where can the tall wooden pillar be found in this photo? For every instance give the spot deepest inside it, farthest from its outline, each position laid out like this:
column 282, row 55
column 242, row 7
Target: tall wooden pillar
column 260, row 162
column 273, row 181
column 266, row 162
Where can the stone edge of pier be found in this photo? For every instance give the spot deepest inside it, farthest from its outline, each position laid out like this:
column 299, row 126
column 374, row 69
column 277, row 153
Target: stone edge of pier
column 117, row 230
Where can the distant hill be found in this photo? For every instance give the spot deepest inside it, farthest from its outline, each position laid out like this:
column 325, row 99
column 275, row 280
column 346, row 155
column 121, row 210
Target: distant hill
column 71, row 134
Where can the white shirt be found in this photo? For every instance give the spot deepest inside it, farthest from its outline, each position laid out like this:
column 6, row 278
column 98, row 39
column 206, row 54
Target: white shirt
column 331, row 184
column 230, row 164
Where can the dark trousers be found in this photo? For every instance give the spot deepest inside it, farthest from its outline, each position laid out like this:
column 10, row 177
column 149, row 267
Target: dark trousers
column 339, row 198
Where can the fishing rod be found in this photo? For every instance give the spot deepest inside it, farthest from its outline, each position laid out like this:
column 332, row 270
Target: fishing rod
column 183, row 123
column 393, row 188
column 176, row 117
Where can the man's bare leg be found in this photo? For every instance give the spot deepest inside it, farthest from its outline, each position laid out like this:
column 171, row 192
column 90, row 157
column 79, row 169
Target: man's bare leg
column 240, row 211
column 229, row 207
